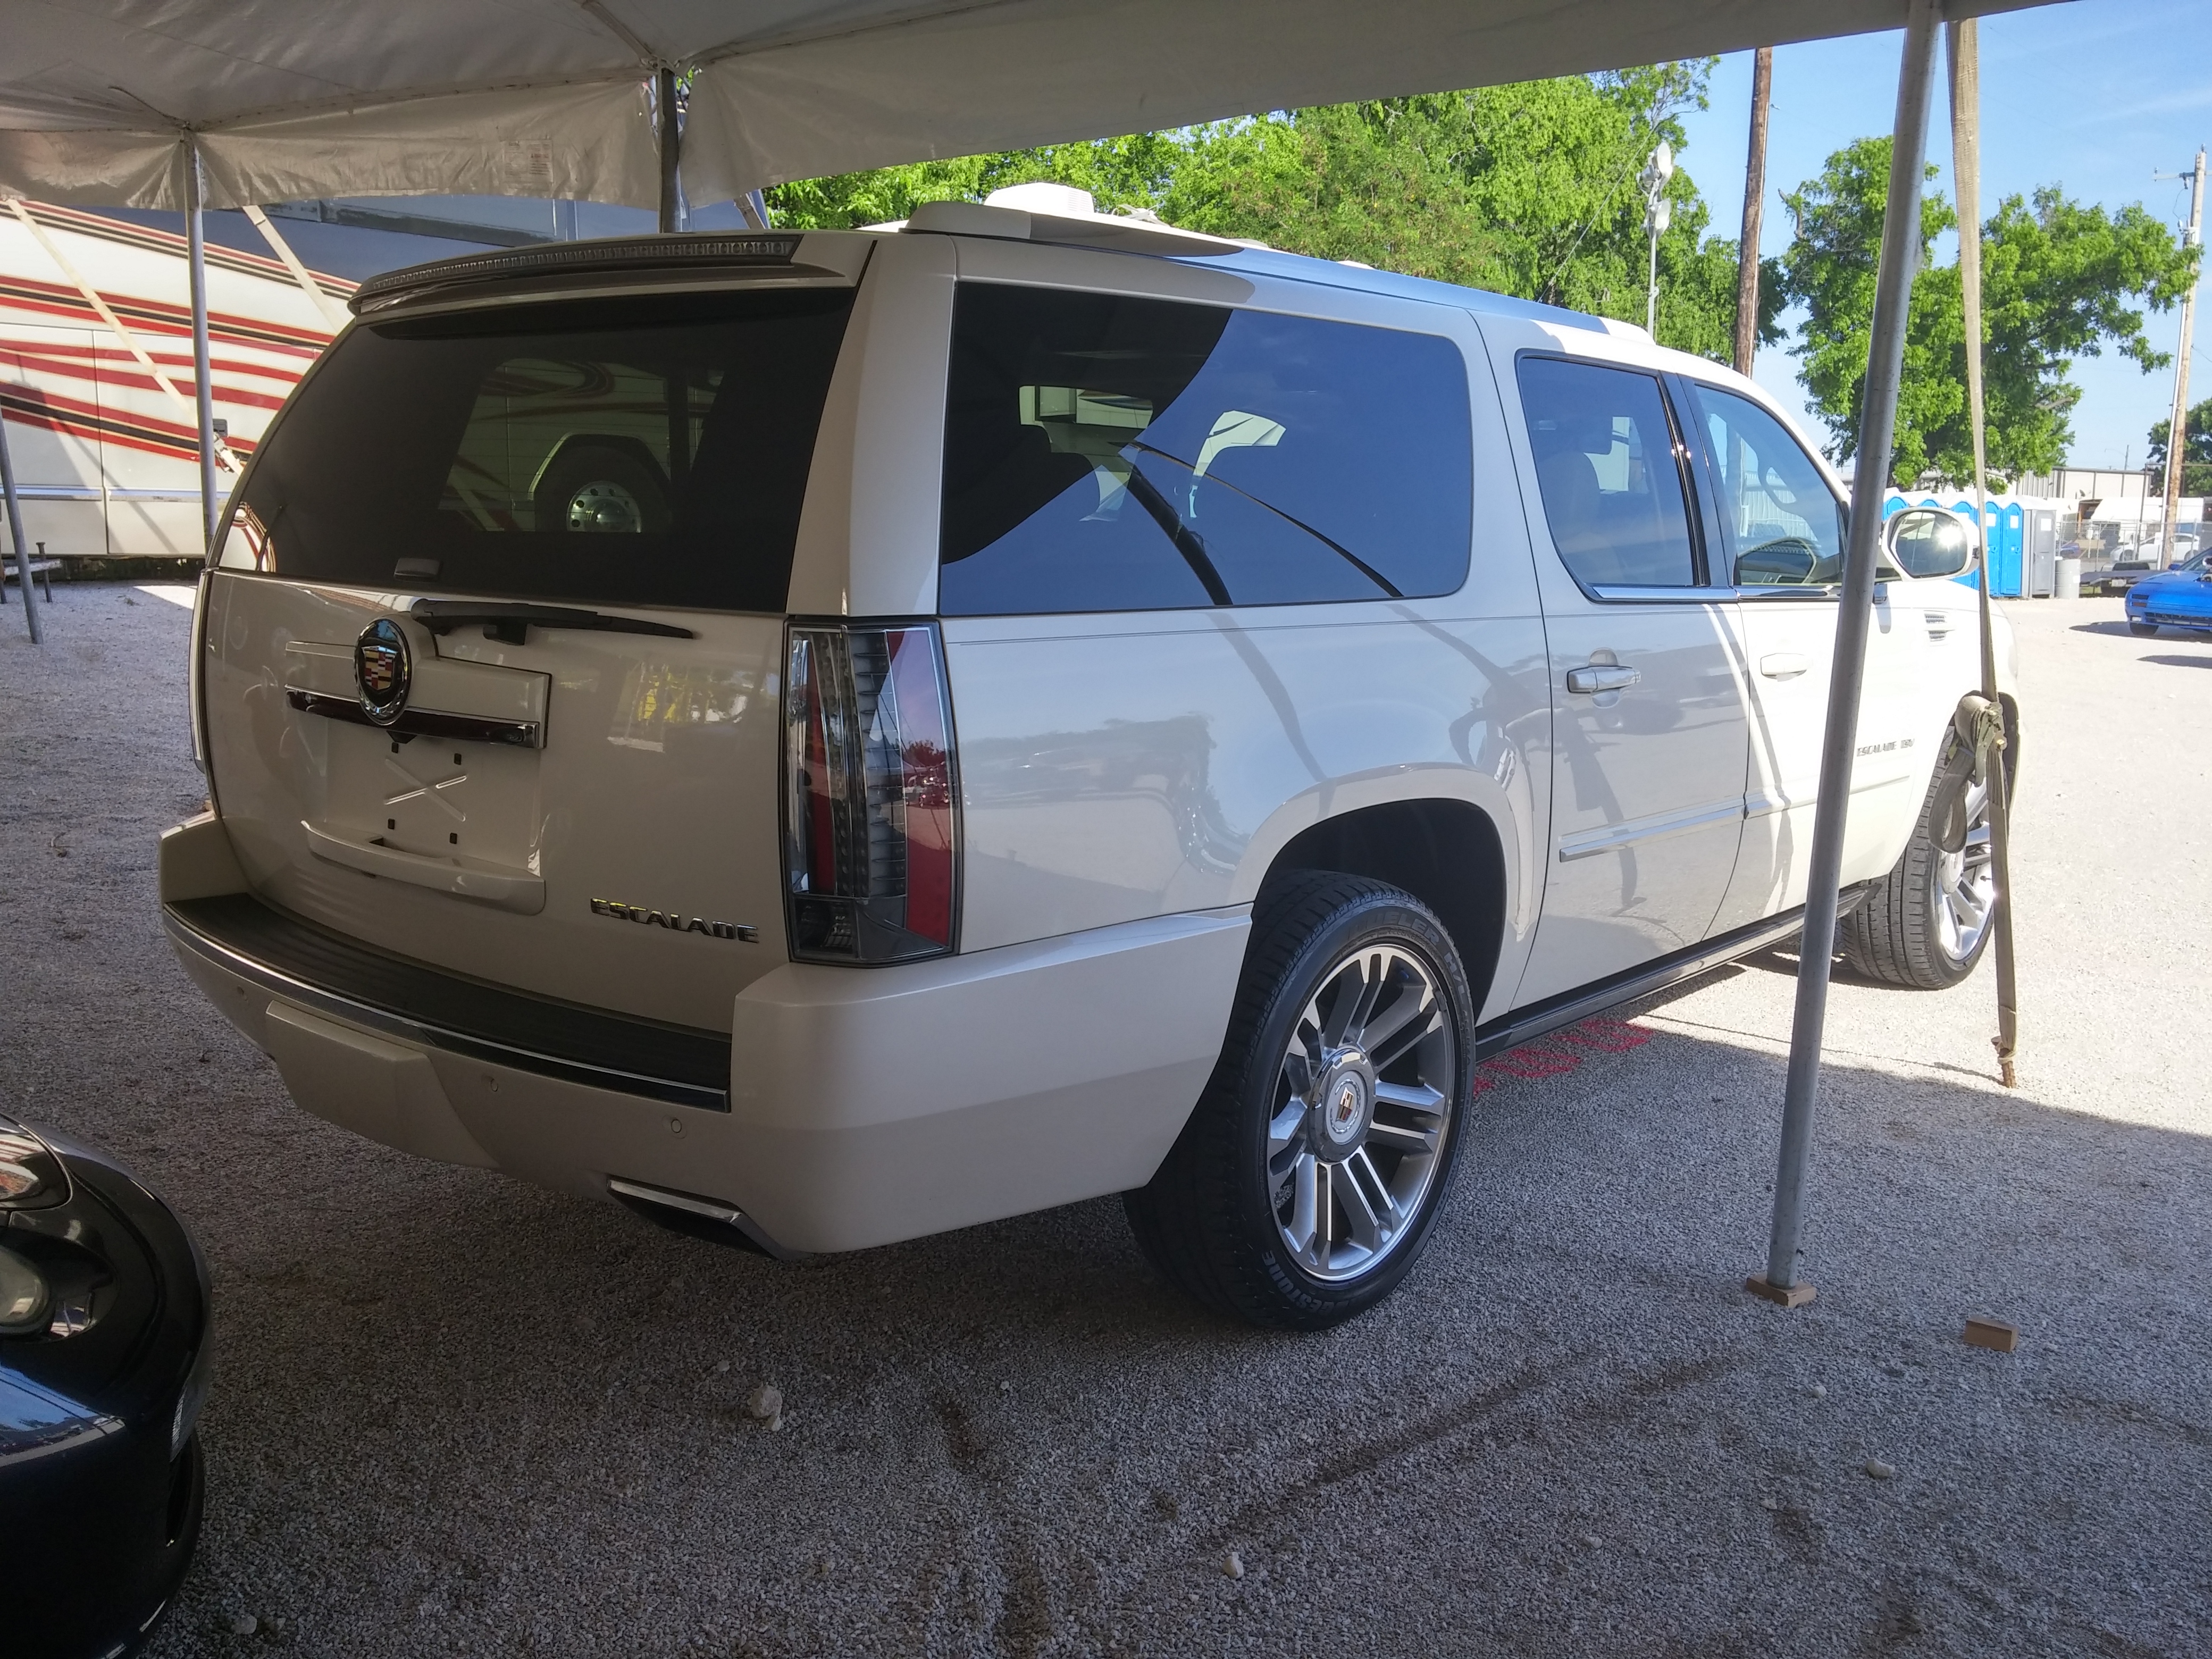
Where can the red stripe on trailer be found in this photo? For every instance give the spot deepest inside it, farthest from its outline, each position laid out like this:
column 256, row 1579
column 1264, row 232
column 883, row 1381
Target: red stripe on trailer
column 57, row 354
column 167, row 241
column 28, row 406
column 58, row 299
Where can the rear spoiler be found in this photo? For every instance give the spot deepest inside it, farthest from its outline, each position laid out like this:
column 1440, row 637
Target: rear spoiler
column 611, row 256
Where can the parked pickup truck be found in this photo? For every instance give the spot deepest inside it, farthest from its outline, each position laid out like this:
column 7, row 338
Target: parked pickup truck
column 825, row 738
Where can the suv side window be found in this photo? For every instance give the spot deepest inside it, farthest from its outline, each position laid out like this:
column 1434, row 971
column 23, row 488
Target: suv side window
column 1606, row 466
column 1783, row 525
column 1104, row 452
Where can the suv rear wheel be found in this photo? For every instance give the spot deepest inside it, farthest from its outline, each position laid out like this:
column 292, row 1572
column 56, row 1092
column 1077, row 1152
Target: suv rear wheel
column 1309, row 1176
column 1927, row 923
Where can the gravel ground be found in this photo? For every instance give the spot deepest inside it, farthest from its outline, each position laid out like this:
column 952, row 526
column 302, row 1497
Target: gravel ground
column 454, row 1415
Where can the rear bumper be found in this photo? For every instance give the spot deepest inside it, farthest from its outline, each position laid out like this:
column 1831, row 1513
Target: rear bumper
column 862, row 1107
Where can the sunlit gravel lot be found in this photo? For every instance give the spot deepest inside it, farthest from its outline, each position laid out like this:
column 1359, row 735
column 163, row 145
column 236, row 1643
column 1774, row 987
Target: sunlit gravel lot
column 456, row 1415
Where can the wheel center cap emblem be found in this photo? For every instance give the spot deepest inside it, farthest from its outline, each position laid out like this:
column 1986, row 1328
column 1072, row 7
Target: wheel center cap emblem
column 382, row 667
column 1347, row 1106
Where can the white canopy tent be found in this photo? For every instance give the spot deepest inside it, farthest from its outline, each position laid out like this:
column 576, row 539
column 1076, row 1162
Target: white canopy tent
column 193, row 103
column 557, row 98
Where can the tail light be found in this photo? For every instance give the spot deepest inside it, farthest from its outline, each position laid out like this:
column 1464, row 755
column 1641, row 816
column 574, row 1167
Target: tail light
column 870, row 812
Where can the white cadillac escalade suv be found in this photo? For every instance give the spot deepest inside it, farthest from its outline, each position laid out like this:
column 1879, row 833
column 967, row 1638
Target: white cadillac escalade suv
column 826, row 737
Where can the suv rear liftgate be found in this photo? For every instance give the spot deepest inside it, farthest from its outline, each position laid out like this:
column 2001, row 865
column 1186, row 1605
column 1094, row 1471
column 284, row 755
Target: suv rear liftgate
column 510, row 566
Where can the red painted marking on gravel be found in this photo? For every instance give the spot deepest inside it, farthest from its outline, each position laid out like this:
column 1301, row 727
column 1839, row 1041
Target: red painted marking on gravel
column 1531, row 1060
column 1615, row 1036
column 1535, row 1059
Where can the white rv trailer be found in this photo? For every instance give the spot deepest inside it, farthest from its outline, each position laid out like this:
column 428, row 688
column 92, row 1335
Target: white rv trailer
column 96, row 377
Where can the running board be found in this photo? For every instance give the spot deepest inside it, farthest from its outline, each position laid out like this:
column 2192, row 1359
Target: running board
column 1521, row 1024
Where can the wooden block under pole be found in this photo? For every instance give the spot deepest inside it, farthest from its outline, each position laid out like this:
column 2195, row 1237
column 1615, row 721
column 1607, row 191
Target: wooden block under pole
column 1992, row 1333
column 1796, row 1295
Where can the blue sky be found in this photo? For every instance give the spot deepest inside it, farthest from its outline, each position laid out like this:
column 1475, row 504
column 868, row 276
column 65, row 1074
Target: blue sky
column 2094, row 96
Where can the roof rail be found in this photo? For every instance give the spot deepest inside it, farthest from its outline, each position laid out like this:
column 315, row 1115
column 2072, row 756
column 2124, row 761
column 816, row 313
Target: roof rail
column 1061, row 214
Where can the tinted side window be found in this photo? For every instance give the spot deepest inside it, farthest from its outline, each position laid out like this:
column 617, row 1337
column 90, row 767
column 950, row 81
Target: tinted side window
column 1782, row 523
column 1110, row 453
column 648, row 451
column 1604, row 465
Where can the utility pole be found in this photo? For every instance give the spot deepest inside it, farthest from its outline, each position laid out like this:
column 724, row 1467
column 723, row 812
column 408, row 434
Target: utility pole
column 1754, row 204
column 2177, row 435
column 1658, row 214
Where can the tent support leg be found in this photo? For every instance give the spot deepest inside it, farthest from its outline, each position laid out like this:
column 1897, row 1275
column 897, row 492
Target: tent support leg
column 203, row 379
column 671, row 152
column 1900, row 255
column 15, row 534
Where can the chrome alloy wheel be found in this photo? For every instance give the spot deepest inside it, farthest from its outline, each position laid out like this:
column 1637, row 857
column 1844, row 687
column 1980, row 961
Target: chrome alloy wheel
column 1363, row 1101
column 1966, row 882
column 604, row 505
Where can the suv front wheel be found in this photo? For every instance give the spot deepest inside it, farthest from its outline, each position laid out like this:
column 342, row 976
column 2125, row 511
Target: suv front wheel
column 1926, row 923
column 1306, row 1181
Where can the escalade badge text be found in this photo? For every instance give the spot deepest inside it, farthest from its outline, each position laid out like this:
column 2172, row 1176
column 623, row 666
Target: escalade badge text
column 382, row 670
column 676, row 921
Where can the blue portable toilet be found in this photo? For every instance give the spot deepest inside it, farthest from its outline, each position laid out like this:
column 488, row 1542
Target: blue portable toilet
column 2006, row 529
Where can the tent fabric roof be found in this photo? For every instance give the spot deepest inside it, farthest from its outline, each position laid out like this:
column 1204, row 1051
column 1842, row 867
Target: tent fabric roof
column 550, row 97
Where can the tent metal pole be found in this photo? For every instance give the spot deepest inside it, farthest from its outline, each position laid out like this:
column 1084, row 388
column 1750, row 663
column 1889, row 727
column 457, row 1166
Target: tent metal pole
column 1900, row 256
column 1965, row 52
column 671, row 151
column 15, row 534
column 202, row 380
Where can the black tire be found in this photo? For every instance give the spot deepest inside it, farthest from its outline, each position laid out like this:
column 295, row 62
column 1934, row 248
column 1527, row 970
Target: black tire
column 593, row 487
column 2143, row 630
column 1897, row 933
column 1210, row 1221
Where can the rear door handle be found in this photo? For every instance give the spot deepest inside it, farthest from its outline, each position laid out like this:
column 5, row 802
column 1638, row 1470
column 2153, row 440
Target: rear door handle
column 1782, row 664
column 1602, row 676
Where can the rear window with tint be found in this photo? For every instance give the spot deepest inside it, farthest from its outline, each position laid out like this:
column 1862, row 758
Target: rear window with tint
column 1110, row 453
column 646, row 450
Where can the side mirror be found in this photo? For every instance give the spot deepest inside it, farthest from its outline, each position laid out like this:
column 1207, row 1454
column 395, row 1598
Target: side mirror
column 1923, row 541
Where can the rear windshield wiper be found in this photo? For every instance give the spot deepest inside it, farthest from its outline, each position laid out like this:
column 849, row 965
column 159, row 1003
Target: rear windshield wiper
column 510, row 622
column 1335, row 547
column 1188, row 542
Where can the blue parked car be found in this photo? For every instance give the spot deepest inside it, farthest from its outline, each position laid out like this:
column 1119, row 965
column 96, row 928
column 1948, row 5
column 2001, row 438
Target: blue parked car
column 2180, row 597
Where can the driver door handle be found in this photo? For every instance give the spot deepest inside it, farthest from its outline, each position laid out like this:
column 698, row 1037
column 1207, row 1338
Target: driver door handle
column 1601, row 676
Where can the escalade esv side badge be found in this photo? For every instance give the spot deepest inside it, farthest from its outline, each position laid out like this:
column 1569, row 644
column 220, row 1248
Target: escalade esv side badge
column 675, row 921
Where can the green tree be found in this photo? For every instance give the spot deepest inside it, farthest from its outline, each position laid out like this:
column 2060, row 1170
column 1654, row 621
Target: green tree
column 2196, row 451
column 1131, row 171
column 1527, row 190
column 2059, row 280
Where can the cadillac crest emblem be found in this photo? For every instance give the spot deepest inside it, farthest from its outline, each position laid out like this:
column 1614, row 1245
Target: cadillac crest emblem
column 381, row 669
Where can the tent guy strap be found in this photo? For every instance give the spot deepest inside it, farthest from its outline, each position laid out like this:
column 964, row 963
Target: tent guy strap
column 556, row 98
